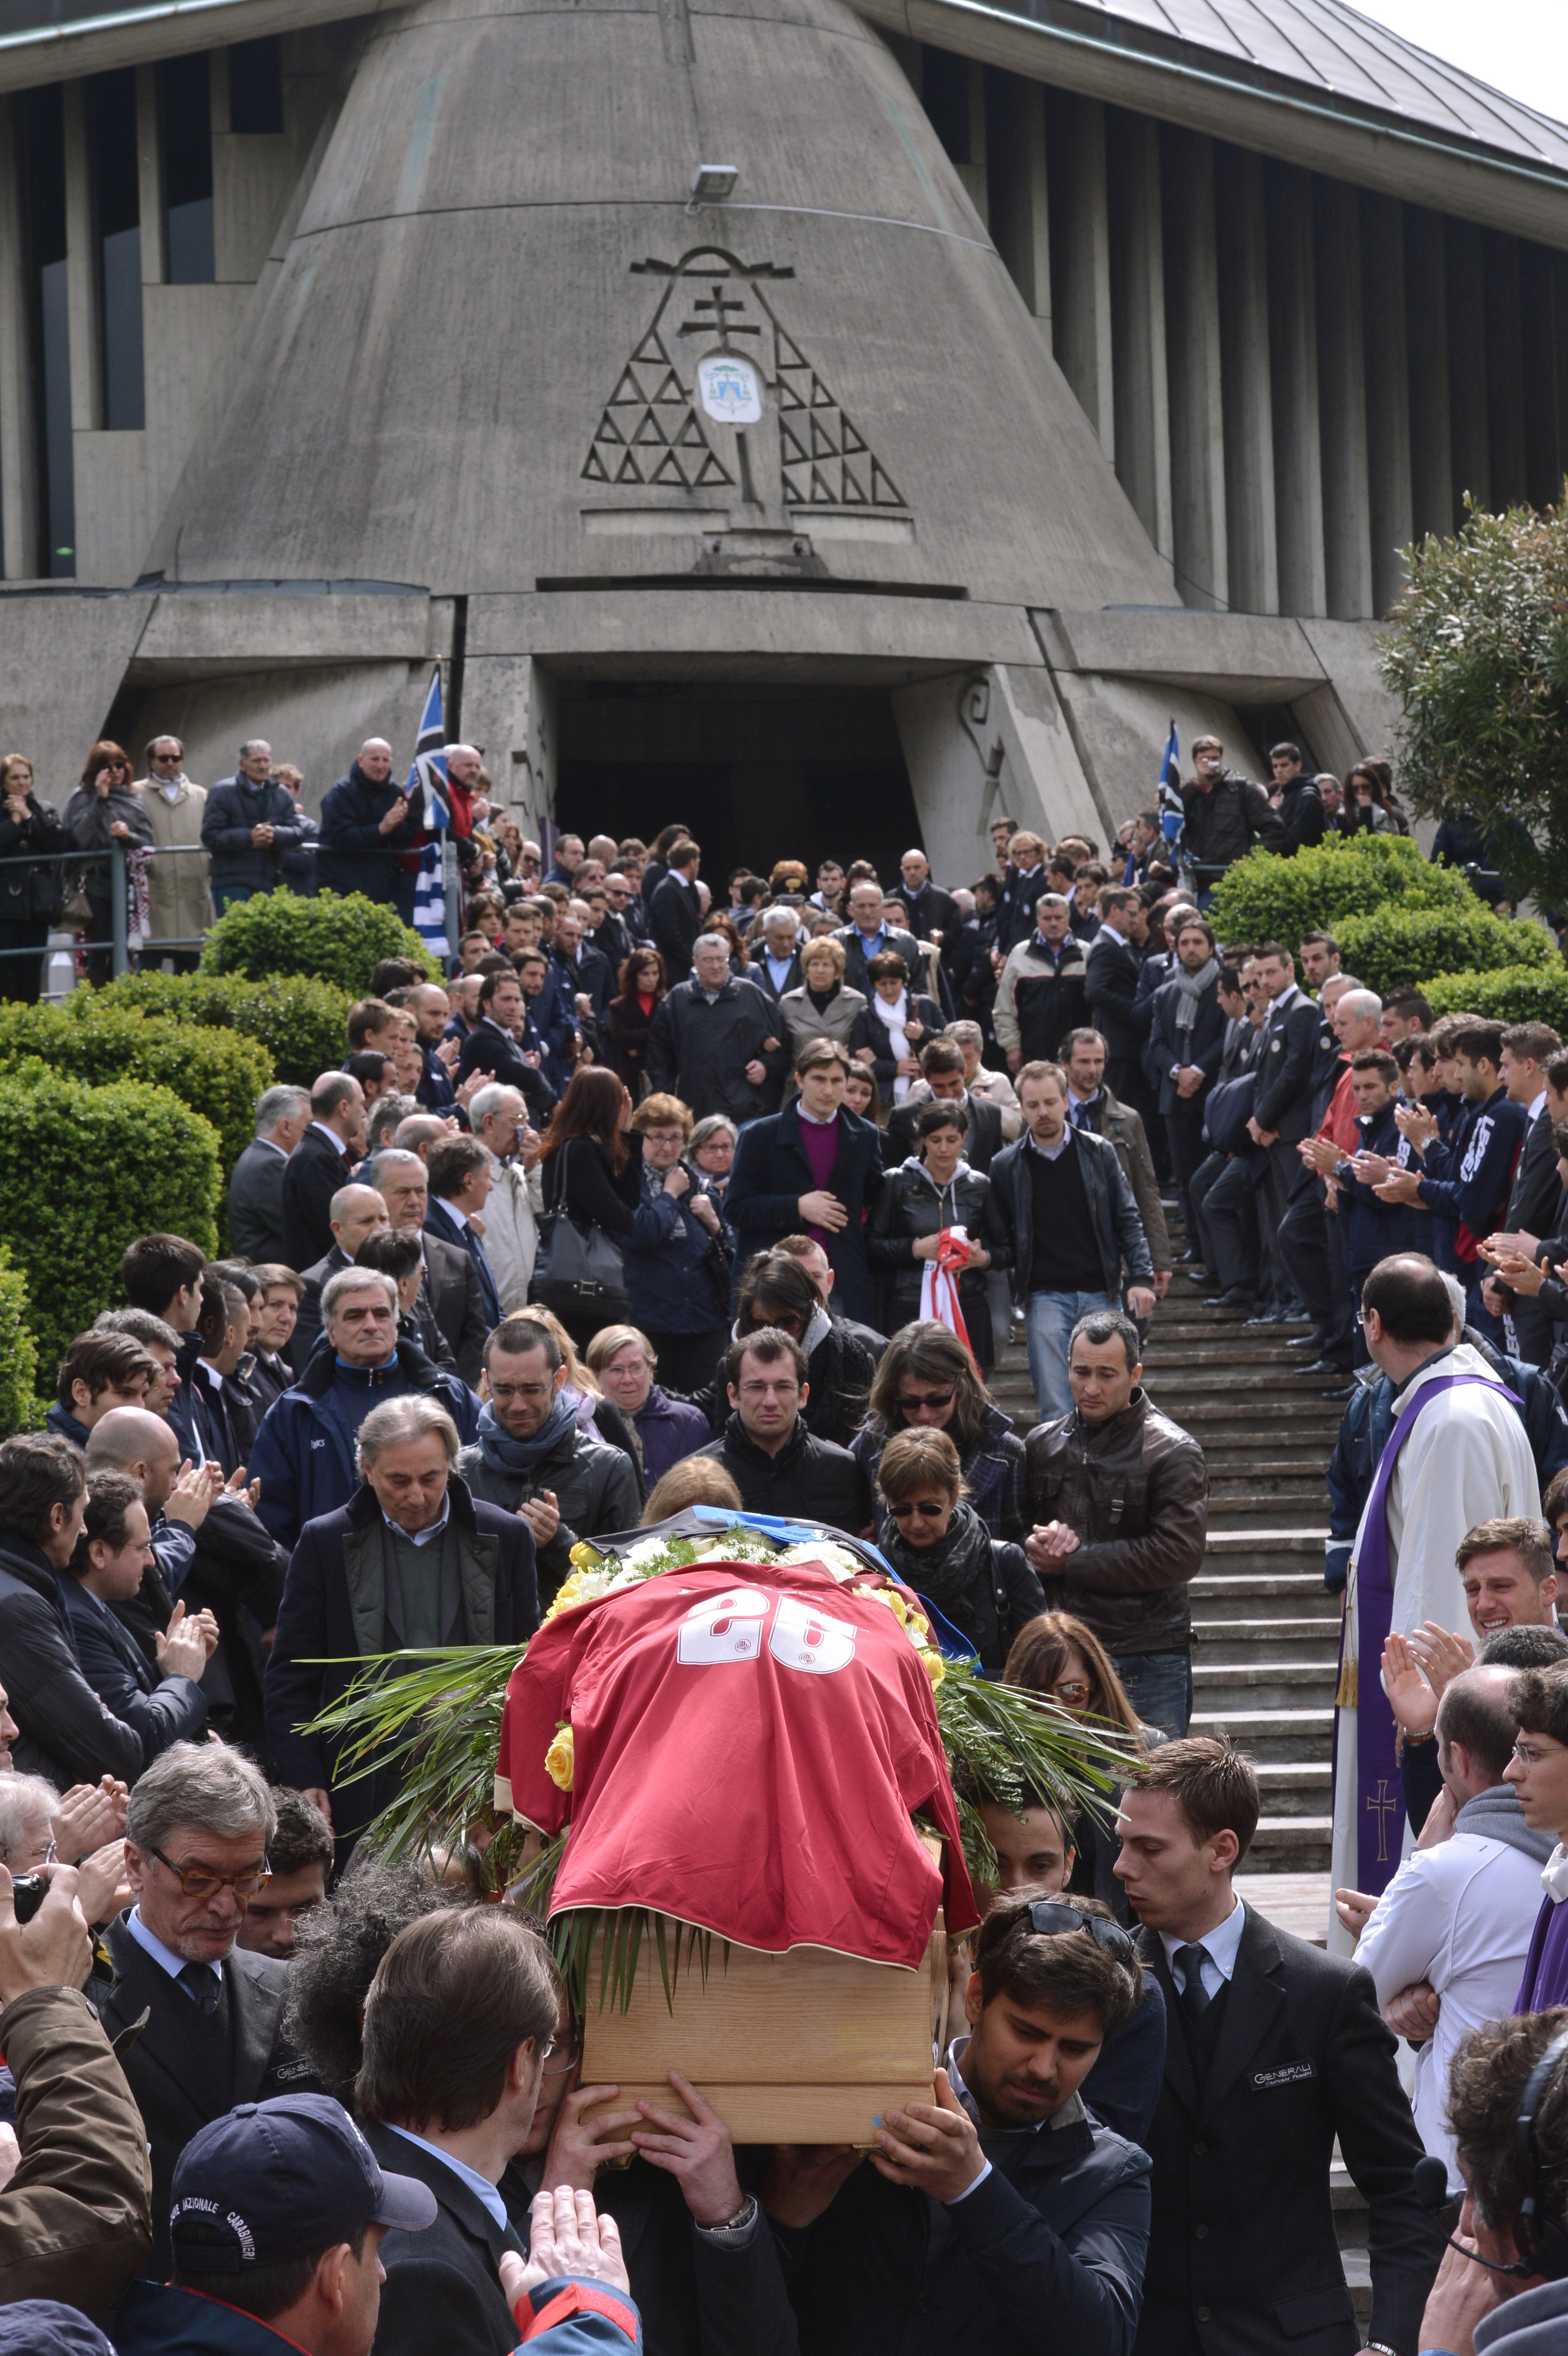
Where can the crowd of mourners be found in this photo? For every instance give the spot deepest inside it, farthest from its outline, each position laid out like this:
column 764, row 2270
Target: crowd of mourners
column 677, row 1197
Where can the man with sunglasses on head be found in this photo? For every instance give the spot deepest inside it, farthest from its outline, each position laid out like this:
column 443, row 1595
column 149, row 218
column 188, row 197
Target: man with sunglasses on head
column 1002, row 2214
column 210, row 2012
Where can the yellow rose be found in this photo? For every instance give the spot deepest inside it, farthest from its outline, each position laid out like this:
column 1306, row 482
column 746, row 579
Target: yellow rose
column 558, row 1759
column 935, row 1669
column 584, row 1556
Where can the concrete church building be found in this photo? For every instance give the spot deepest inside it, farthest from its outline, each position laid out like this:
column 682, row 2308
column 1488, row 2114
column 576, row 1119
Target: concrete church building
column 815, row 421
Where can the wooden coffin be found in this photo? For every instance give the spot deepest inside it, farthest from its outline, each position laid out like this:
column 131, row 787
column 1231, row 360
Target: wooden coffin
column 807, row 2047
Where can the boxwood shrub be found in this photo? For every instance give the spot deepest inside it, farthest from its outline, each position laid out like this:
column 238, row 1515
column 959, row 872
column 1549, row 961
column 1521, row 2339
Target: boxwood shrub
column 328, row 938
column 20, row 1409
column 1511, row 994
column 303, row 1024
column 217, row 1073
column 1266, row 898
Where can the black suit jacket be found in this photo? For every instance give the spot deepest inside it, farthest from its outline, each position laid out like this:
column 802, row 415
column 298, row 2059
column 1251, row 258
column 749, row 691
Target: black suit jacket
column 1203, row 1044
column 183, row 2070
column 162, row 1710
column 442, row 2288
column 1111, row 984
column 256, row 1202
column 771, row 1173
column 316, row 1170
column 1535, row 1204
column 982, row 1142
column 851, row 941
column 488, row 1048
column 1242, row 2253
column 452, row 1281
column 1287, row 1070
column 675, row 921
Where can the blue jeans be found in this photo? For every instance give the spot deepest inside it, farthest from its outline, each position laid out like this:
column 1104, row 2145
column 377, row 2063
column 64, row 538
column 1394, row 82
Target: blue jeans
column 1050, row 1318
column 1160, row 1686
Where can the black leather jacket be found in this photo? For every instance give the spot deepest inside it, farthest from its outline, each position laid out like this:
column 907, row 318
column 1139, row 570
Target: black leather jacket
column 1136, row 1492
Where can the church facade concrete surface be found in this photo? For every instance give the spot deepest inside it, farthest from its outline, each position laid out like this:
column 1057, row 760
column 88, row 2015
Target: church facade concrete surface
column 353, row 343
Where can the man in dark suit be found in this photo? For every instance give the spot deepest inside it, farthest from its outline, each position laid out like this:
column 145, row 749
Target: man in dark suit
column 812, row 1169
column 1111, row 985
column 1187, row 1040
column 459, row 1189
column 256, row 1187
column 932, row 913
column 1290, row 1065
column 196, row 1850
column 451, row 1285
column 456, row 2034
column 1535, row 1199
column 163, row 1704
column 774, row 962
column 675, row 918
column 355, row 1212
column 867, row 934
column 1273, row 2050
column 491, row 1046
column 324, row 1158
column 942, row 1062
column 464, row 1574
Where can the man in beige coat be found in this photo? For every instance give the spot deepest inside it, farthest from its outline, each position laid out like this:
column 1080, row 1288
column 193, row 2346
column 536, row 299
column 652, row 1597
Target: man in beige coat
column 180, row 903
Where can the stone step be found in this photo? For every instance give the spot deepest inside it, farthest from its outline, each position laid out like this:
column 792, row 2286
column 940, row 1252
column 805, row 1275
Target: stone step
column 1238, row 1511
column 1267, row 1684
column 1297, row 1844
column 1234, row 1345
column 1294, row 1787
column 1266, row 1594
column 1283, row 1736
column 1227, row 1642
column 1273, row 1452
column 1251, row 1494
column 1320, row 1418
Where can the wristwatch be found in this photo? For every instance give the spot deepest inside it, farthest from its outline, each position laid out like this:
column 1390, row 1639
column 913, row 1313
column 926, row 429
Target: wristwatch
column 735, row 2229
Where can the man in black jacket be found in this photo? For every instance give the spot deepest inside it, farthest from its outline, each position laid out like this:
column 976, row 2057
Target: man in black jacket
column 814, row 1168
column 1303, row 821
column 324, row 1158
column 248, row 823
column 355, row 1212
column 932, row 913
column 675, row 915
column 774, row 1462
column 1287, row 1075
column 1273, row 2049
column 942, row 1063
column 867, row 934
column 492, row 1045
column 1225, row 813
column 256, row 1185
column 1533, row 1063
column 210, row 2012
column 161, row 1705
column 1111, row 985
column 715, row 1042
column 410, row 1561
column 450, row 1293
column 1186, row 1040
column 369, row 840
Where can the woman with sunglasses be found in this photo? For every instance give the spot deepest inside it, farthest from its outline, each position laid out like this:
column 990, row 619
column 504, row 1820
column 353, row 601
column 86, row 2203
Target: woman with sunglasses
column 1057, row 1655
column 926, row 1381
column 939, row 1546
column 105, row 810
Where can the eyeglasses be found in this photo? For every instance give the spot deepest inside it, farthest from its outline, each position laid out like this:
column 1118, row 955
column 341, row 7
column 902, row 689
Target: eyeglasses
column 925, row 1398
column 509, row 1391
column 200, row 1881
column 1536, row 1758
column 928, row 1509
column 1073, row 1690
column 570, row 2054
column 1052, row 1920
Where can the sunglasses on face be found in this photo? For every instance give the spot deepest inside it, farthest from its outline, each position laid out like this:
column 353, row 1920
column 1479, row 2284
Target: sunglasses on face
column 930, row 1509
column 925, row 1398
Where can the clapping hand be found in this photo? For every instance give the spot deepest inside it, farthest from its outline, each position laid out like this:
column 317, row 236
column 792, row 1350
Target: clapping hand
column 1409, row 1697
column 1442, row 1654
column 90, row 1815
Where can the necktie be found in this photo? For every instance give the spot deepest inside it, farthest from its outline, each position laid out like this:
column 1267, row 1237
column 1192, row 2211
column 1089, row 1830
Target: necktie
column 1194, row 1996
column 200, row 1983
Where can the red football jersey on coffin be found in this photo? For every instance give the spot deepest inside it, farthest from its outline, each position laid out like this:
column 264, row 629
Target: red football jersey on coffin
column 749, row 1741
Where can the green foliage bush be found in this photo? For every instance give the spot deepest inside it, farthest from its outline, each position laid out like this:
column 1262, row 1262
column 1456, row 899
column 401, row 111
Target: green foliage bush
column 1511, row 993
column 95, row 1168
column 1401, row 947
column 217, row 1073
column 327, row 939
column 302, row 1022
column 20, row 1410
column 1264, row 897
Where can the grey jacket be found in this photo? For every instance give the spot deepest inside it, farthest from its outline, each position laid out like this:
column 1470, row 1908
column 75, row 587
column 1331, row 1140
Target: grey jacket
column 1117, row 1226
column 256, row 1202
column 594, row 1485
column 1534, row 2324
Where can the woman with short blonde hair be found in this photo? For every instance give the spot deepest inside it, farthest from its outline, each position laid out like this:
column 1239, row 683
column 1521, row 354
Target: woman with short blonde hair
column 822, row 1007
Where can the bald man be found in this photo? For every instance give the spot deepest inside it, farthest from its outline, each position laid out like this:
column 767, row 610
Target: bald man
column 354, row 1213
column 370, row 838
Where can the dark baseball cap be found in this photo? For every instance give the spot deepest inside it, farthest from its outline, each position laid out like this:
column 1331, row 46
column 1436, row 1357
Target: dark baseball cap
column 279, row 2180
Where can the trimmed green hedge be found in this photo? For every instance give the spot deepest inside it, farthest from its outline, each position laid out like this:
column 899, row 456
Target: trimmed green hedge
column 1512, row 993
column 1401, row 947
column 20, row 1409
column 87, row 1171
column 1264, row 897
column 217, row 1073
column 329, row 939
column 303, row 1024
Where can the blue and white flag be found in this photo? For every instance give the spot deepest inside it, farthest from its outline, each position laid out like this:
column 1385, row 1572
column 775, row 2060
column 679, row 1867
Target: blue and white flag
column 430, row 808
column 1172, row 817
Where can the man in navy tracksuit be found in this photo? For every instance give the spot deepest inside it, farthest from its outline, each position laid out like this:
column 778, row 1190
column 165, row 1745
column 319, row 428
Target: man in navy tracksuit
column 1466, row 1185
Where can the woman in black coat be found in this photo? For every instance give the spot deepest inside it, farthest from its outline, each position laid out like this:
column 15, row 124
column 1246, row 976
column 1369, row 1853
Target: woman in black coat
column 939, row 1546
column 29, row 895
column 918, row 1199
column 629, row 1017
column 589, row 1171
column 895, row 1027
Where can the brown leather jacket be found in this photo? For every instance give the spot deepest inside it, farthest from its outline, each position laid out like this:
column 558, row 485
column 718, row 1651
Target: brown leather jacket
column 76, row 2222
column 1136, row 1492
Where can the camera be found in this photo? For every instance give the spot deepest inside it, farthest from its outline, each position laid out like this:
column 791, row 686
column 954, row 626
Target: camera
column 28, row 1891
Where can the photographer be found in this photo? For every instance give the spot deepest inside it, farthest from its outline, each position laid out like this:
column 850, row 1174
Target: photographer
column 1503, row 2283
column 76, row 2217
column 1002, row 2215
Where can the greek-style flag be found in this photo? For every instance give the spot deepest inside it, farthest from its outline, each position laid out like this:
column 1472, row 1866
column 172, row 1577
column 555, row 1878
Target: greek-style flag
column 1171, row 815
column 428, row 802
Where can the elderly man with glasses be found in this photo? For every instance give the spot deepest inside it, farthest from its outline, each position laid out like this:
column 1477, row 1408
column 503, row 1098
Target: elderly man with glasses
column 211, row 2013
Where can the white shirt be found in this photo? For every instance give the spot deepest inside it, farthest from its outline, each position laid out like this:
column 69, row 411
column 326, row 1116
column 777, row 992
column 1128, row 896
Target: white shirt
column 419, row 1538
column 812, row 1117
column 484, row 2191
column 453, row 1212
column 1052, row 1153
column 778, row 968
column 1538, row 1105
column 165, row 1957
column 1461, row 1916
column 1219, row 1946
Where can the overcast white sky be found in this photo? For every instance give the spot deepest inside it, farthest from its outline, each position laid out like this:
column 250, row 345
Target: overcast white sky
column 1517, row 46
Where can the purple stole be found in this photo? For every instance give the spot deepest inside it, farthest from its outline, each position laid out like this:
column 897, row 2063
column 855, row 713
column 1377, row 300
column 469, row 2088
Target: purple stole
column 1380, row 1792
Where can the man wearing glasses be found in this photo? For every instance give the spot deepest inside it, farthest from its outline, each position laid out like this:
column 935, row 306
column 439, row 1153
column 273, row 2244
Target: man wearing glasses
column 196, row 1852
column 179, row 899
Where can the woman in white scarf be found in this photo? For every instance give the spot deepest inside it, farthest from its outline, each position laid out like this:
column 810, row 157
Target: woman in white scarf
column 895, row 1026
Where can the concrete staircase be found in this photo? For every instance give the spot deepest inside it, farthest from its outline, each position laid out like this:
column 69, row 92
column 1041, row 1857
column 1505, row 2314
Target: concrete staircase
column 1266, row 1629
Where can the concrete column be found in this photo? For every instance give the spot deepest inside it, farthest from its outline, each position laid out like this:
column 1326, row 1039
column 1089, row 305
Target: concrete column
column 509, row 707
column 1431, row 437
column 1020, row 210
column 1384, row 344
column 1081, row 254
column 1293, row 370
column 972, row 173
column 1193, row 370
column 1471, row 465
column 1140, row 398
column 19, row 519
column 1543, row 447
column 1505, row 369
column 1342, row 401
column 150, row 185
column 82, row 275
column 1241, row 250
